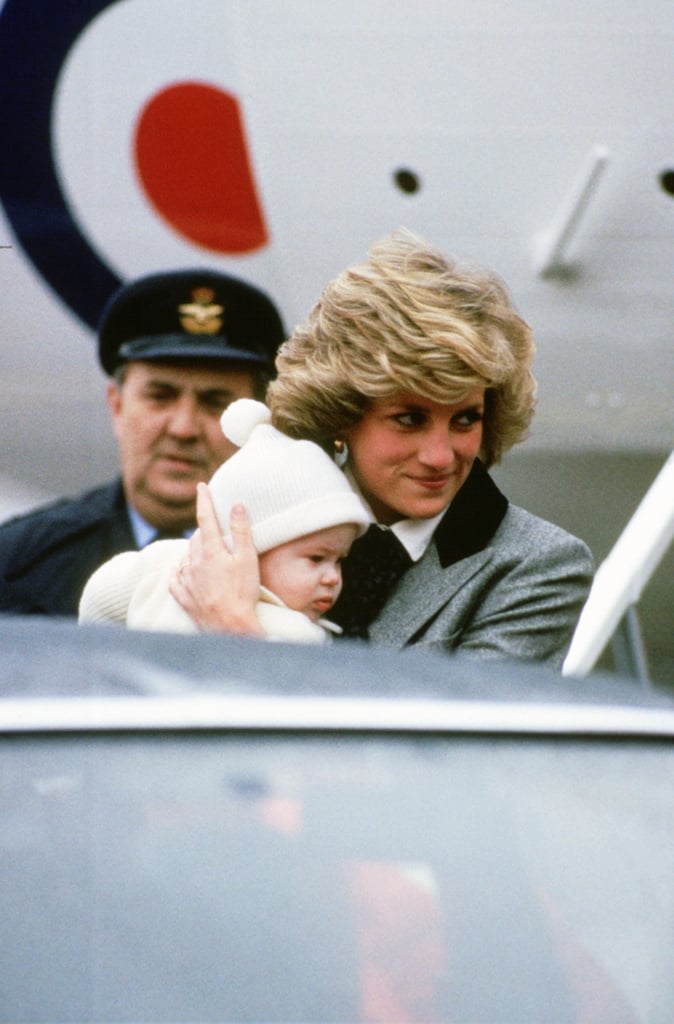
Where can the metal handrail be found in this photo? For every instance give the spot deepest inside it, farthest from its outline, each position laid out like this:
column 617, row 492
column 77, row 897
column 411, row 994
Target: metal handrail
column 622, row 576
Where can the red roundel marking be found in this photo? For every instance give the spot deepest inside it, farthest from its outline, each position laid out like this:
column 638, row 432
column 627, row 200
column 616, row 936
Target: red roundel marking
column 192, row 160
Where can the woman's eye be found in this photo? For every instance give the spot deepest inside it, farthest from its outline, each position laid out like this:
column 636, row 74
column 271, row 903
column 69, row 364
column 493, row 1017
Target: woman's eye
column 409, row 419
column 469, row 417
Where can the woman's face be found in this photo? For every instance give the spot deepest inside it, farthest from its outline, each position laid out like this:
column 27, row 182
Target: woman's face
column 410, row 455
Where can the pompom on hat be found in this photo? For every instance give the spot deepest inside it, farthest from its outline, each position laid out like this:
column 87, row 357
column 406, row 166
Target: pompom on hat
column 289, row 488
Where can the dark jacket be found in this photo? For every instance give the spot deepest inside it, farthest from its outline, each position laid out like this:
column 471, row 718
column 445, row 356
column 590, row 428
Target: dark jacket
column 47, row 556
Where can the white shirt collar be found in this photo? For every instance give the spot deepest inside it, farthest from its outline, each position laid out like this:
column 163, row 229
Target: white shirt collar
column 415, row 534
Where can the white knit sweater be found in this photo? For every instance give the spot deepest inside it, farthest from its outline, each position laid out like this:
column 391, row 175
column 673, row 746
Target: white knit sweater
column 132, row 590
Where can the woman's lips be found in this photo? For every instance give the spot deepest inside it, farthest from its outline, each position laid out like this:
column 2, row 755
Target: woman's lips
column 431, row 483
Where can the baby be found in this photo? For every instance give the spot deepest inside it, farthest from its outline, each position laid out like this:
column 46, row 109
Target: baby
column 304, row 518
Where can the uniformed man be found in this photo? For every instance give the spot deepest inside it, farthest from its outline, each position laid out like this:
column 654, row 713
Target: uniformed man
column 178, row 348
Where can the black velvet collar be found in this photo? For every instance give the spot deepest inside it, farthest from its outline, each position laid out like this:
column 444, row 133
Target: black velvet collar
column 472, row 519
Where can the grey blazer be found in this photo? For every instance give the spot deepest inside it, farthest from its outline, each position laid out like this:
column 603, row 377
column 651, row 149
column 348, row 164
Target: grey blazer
column 495, row 582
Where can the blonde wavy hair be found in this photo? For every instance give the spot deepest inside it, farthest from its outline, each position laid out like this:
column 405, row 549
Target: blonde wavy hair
column 410, row 319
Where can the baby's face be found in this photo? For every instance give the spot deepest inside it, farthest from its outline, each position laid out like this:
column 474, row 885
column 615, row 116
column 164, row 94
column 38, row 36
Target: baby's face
column 306, row 573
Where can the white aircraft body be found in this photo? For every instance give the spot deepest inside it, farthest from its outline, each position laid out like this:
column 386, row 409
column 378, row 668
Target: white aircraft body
column 277, row 139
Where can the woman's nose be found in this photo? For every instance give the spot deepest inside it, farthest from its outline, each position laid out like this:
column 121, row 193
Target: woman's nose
column 437, row 450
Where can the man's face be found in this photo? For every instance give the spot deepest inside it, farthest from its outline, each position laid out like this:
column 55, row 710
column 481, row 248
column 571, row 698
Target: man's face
column 166, row 419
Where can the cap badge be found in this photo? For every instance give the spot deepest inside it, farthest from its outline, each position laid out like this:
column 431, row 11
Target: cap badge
column 202, row 315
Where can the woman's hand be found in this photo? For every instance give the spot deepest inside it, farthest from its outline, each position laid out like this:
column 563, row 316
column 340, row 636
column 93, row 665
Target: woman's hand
column 219, row 589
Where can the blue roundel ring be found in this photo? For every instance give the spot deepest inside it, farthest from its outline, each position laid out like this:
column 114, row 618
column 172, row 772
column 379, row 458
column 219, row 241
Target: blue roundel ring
column 35, row 37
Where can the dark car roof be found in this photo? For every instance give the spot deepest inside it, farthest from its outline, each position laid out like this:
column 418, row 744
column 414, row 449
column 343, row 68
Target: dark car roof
column 56, row 675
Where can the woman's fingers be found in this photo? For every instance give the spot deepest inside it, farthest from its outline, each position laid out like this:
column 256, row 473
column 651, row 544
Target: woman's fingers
column 209, row 528
column 245, row 573
column 242, row 536
column 219, row 589
column 175, row 583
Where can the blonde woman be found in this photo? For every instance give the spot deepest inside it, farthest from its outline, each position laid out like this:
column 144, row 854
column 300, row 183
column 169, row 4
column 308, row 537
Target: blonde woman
column 416, row 372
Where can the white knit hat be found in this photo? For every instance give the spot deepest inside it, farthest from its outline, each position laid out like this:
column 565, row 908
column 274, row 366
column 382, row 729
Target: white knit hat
column 289, row 488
